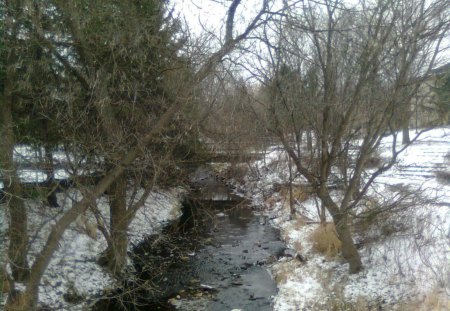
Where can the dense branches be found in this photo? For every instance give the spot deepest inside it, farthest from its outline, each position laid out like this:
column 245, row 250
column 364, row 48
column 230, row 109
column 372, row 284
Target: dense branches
column 347, row 76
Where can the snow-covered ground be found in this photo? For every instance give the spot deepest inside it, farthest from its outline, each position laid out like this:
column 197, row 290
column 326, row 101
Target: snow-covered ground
column 406, row 255
column 73, row 269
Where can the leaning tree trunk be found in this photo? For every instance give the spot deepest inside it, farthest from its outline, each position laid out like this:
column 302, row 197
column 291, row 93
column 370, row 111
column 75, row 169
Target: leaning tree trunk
column 340, row 220
column 349, row 251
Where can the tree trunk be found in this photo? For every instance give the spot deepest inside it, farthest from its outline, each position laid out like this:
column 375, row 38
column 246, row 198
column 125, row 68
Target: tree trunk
column 114, row 258
column 52, row 201
column 309, row 140
column 349, row 251
column 291, row 194
column 18, row 236
column 404, row 121
column 405, row 131
column 322, row 214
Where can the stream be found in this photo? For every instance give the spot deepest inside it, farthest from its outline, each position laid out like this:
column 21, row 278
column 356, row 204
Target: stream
column 234, row 264
column 213, row 258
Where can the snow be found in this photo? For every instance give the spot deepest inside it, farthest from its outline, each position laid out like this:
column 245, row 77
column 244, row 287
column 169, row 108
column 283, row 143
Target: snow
column 74, row 268
column 286, row 299
column 406, row 257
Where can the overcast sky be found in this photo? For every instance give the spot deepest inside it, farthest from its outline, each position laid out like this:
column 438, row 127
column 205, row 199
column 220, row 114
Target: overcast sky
column 211, row 14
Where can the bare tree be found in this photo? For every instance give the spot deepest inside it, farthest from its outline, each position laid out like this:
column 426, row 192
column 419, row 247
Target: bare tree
column 347, row 74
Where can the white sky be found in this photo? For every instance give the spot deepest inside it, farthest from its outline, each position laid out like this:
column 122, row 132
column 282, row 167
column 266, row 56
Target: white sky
column 211, row 15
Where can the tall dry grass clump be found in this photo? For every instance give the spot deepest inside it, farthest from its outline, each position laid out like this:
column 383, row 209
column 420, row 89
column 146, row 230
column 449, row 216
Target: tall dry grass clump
column 325, row 240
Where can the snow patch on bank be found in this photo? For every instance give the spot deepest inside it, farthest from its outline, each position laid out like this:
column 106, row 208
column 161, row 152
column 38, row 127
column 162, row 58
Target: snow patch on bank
column 403, row 266
column 73, row 269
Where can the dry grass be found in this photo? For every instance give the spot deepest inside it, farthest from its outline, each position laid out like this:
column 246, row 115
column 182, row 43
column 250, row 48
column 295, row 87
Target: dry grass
column 298, row 246
column 270, row 202
column 87, row 226
column 338, row 302
column 284, row 270
column 300, row 221
column 325, row 240
column 342, row 305
column 436, row 300
column 20, row 303
column 4, row 283
column 299, row 192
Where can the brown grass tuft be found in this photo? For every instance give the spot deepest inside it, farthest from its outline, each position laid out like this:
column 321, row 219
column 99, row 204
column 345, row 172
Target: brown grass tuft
column 299, row 192
column 283, row 272
column 325, row 240
column 282, row 276
column 340, row 304
column 4, row 282
column 19, row 303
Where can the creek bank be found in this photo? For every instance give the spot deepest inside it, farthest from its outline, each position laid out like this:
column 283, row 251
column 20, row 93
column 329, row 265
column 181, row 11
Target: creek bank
column 213, row 258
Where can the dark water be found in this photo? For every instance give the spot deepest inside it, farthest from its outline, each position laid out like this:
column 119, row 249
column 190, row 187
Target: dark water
column 235, row 263
column 214, row 258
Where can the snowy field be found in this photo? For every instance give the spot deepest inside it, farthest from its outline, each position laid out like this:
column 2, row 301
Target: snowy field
column 406, row 255
column 73, row 269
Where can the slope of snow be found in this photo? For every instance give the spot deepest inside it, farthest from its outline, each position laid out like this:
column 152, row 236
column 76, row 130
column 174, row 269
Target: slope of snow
column 73, row 268
column 408, row 258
